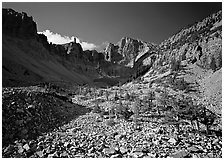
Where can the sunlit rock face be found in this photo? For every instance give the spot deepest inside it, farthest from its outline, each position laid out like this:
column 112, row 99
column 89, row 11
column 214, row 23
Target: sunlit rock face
column 127, row 51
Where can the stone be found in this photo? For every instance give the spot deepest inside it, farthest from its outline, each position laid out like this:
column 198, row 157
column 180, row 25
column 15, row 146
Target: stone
column 20, row 150
column 215, row 141
column 123, row 149
column 172, row 141
column 193, row 149
column 195, row 156
column 199, row 147
column 40, row 153
column 138, row 154
column 9, row 149
column 180, row 154
column 64, row 155
column 26, row 147
column 118, row 137
column 109, row 151
column 66, row 144
column 115, row 156
column 151, row 155
column 210, row 155
column 31, row 107
column 156, row 142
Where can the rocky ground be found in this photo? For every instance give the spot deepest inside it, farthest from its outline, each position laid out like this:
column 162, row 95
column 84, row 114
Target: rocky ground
column 38, row 124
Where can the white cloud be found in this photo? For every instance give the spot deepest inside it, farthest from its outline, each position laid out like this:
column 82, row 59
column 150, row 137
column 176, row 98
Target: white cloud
column 100, row 48
column 59, row 39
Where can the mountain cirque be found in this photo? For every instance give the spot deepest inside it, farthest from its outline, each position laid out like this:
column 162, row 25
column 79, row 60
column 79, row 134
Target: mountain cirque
column 47, row 112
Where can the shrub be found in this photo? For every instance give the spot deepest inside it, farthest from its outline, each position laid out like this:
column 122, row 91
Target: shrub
column 206, row 117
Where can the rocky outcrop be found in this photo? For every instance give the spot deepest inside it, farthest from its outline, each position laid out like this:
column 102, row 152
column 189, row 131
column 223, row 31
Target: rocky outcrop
column 111, row 53
column 73, row 49
column 200, row 43
column 18, row 24
column 127, row 51
column 194, row 32
column 129, row 48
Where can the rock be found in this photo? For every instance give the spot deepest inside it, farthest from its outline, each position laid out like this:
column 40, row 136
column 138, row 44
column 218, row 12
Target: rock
column 193, row 149
column 123, row 149
column 31, row 107
column 66, row 144
column 151, row 155
column 55, row 154
column 215, row 141
column 40, row 154
column 20, row 150
column 118, row 137
column 172, row 141
column 180, row 154
column 64, row 155
column 195, row 156
column 210, row 155
column 199, row 147
column 9, row 149
column 137, row 149
column 109, row 151
column 138, row 154
column 26, row 147
column 165, row 137
column 156, row 142
column 116, row 156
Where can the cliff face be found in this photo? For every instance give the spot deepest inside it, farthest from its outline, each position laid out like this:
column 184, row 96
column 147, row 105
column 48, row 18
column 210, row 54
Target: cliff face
column 128, row 51
column 18, row 24
column 199, row 43
column 28, row 58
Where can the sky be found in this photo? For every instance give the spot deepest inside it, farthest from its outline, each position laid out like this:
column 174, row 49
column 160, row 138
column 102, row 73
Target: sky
column 97, row 23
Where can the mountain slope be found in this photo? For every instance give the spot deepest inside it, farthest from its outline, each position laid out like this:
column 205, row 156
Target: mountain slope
column 34, row 61
column 193, row 59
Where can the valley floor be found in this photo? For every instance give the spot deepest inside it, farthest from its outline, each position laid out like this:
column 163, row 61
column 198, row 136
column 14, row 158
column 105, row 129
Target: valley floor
column 39, row 124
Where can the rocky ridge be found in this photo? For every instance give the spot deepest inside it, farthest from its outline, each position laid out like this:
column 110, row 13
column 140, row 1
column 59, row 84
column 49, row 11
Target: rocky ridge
column 128, row 51
column 18, row 24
